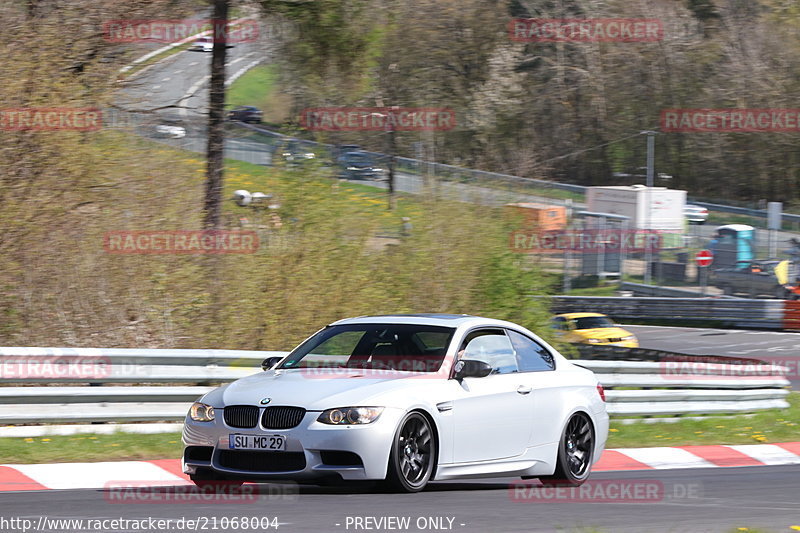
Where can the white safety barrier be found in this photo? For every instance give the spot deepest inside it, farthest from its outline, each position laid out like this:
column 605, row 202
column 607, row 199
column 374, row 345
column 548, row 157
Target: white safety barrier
column 686, row 387
column 45, row 388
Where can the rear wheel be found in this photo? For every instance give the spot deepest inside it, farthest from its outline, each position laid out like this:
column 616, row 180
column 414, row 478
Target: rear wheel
column 575, row 452
column 412, row 456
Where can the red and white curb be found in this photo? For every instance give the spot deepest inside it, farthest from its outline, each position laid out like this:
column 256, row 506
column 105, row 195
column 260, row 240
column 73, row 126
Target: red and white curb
column 166, row 472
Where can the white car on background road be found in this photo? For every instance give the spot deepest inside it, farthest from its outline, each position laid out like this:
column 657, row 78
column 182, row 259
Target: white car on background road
column 403, row 399
column 695, row 214
column 203, row 44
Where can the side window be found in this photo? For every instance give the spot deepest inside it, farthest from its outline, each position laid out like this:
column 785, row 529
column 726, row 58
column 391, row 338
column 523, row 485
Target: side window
column 491, row 346
column 531, row 356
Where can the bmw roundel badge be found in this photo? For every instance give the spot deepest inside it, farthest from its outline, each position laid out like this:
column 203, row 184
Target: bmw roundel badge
column 265, row 401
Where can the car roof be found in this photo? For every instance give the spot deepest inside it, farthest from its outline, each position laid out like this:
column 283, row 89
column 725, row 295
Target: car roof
column 735, row 227
column 573, row 316
column 432, row 319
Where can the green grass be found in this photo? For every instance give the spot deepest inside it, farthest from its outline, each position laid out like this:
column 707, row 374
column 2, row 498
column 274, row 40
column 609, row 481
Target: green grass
column 90, row 448
column 604, row 290
column 255, row 88
column 256, row 178
column 777, row 425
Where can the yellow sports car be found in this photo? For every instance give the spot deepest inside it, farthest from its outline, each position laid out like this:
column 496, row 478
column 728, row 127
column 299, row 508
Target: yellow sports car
column 593, row 328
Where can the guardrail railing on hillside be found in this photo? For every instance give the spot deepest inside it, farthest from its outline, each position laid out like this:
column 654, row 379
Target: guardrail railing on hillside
column 58, row 384
column 473, row 175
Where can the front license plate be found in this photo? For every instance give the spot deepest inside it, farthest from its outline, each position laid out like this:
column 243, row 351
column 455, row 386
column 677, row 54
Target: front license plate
column 275, row 443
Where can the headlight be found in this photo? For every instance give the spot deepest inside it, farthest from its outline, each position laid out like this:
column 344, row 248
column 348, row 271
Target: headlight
column 346, row 416
column 593, row 341
column 629, row 338
column 201, row 412
column 353, row 168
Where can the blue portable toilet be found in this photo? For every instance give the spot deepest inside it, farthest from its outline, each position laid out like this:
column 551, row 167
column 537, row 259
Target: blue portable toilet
column 733, row 246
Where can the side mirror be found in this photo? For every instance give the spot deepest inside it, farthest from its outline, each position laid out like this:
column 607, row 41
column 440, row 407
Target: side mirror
column 270, row 362
column 471, row 368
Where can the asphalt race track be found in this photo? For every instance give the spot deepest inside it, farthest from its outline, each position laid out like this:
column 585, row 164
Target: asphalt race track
column 781, row 348
column 694, row 500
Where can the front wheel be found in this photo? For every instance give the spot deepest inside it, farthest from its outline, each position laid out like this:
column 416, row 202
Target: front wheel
column 575, row 452
column 412, row 455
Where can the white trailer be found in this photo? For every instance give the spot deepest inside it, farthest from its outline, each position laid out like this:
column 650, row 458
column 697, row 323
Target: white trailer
column 665, row 212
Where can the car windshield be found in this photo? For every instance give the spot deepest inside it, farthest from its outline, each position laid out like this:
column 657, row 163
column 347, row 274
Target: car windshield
column 591, row 322
column 402, row 347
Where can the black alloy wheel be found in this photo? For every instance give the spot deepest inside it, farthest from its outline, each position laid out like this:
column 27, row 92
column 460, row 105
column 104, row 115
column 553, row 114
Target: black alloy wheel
column 575, row 452
column 413, row 453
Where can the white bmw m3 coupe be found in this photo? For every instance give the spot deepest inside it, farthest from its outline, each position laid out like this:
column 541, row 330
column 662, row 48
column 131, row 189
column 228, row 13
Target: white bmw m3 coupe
column 403, row 399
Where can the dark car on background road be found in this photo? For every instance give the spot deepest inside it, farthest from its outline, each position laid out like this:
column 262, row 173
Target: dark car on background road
column 246, row 113
column 776, row 279
column 341, row 149
column 359, row 166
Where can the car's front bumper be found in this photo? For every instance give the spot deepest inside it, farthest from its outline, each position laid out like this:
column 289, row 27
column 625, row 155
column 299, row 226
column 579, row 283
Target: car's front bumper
column 310, row 449
column 624, row 344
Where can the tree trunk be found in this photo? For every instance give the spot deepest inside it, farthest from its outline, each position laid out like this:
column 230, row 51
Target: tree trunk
column 216, row 119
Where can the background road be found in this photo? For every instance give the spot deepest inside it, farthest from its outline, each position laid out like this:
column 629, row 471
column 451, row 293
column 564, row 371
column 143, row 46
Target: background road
column 733, row 342
column 774, row 346
column 697, row 500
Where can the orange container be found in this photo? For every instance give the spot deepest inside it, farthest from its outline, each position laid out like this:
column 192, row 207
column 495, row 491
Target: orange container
column 540, row 216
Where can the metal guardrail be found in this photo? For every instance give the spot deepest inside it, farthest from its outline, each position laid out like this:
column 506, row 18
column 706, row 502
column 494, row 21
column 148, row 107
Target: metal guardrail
column 640, row 289
column 59, row 383
column 685, row 388
column 129, row 377
column 758, row 213
column 738, row 312
column 450, row 172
